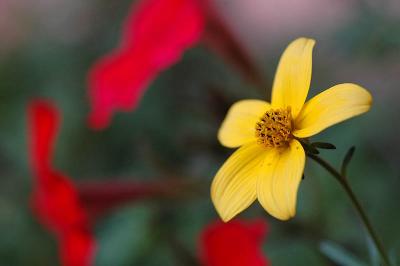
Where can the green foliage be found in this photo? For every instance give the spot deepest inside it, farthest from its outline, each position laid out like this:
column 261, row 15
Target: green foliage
column 339, row 255
column 123, row 236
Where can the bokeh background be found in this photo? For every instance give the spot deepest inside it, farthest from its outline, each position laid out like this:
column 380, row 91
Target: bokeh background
column 46, row 49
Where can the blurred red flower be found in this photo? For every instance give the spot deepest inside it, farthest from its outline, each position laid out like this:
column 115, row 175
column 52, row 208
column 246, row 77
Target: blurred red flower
column 155, row 35
column 55, row 200
column 56, row 203
column 43, row 125
column 235, row 243
column 77, row 248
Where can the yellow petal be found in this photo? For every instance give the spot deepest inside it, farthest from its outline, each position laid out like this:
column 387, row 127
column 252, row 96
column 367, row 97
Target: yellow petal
column 234, row 186
column 279, row 180
column 330, row 107
column 293, row 76
column 238, row 127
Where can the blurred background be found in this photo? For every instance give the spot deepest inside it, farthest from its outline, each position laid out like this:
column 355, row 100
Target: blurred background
column 46, row 49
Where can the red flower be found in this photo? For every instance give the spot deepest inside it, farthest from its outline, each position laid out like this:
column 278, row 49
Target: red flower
column 55, row 200
column 43, row 126
column 235, row 243
column 77, row 248
column 155, row 35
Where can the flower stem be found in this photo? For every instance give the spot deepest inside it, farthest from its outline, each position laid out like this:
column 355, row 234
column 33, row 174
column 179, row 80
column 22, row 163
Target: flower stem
column 99, row 197
column 346, row 186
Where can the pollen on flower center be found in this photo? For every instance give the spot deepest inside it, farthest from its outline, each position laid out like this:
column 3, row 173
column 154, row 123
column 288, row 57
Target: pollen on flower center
column 274, row 128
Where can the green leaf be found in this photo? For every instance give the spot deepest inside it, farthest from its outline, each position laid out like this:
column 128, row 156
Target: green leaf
column 339, row 255
column 323, row 145
column 393, row 257
column 309, row 148
column 373, row 253
column 123, row 236
column 347, row 159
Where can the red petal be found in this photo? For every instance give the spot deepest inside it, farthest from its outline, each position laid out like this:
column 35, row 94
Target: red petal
column 258, row 229
column 117, row 82
column 77, row 249
column 57, row 205
column 235, row 243
column 164, row 29
column 43, row 124
column 55, row 200
column 156, row 34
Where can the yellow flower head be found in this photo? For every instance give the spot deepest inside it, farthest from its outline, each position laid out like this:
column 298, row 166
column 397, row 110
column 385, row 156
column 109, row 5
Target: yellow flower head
column 269, row 164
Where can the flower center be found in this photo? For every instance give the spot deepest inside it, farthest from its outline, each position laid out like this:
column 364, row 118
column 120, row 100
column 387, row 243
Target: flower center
column 274, row 128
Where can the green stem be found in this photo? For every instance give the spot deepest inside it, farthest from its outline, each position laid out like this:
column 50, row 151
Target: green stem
column 343, row 181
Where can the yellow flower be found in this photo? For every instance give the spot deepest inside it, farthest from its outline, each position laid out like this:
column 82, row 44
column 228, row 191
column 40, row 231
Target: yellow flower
column 269, row 164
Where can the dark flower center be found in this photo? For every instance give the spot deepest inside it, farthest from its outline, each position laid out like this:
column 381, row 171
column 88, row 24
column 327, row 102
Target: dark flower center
column 274, row 128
